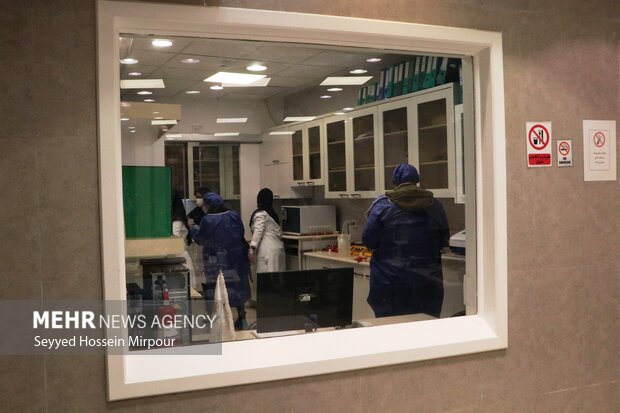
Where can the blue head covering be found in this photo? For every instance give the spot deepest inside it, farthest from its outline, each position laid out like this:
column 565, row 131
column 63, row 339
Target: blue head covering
column 405, row 173
column 213, row 199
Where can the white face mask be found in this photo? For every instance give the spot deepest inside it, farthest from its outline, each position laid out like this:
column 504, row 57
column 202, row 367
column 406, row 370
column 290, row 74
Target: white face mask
column 199, row 202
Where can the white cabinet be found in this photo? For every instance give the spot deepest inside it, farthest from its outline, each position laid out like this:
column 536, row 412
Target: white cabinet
column 307, row 151
column 420, row 130
column 354, row 155
column 215, row 166
column 276, row 166
column 352, row 162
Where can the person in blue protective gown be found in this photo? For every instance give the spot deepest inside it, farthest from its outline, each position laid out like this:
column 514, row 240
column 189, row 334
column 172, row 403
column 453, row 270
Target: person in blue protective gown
column 221, row 234
column 406, row 229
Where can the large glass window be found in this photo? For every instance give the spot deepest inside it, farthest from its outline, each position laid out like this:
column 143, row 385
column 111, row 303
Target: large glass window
column 382, row 227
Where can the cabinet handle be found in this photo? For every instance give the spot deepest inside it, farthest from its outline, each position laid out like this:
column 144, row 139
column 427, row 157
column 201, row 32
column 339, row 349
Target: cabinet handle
column 357, row 274
column 309, row 183
column 275, row 161
column 356, row 195
column 344, row 195
column 301, row 183
column 276, row 196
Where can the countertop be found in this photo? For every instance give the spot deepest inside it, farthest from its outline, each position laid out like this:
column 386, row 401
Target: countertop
column 304, row 237
column 351, row 260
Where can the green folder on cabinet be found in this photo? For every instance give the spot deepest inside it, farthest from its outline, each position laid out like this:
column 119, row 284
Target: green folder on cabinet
column 441, row 73
column 431, row 73
column 408, row 76
column 420, row 73
column 398, row 79
column 389, row 82
column 381, row 91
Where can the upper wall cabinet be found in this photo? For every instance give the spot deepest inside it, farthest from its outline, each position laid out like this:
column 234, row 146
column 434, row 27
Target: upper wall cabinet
column 420, row 130
column 307, row 149
column 277, row 166
column 354, row 155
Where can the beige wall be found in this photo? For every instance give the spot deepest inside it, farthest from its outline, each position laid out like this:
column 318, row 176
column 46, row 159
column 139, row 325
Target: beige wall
column 561, row 64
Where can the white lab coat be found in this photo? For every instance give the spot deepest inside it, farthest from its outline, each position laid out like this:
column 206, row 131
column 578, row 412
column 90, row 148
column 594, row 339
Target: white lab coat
column 179, row 230
column 267, row 238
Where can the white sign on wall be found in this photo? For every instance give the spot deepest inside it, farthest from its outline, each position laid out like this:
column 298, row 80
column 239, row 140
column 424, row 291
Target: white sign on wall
column 599, row 148
column 565, row 152
column 538, row 142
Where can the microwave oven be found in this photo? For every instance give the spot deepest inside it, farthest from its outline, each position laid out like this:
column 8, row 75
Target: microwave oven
column 309, row 219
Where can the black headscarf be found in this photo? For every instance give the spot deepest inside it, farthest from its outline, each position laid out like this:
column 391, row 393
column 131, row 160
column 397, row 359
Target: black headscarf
column 197, row 213
column 264, row 202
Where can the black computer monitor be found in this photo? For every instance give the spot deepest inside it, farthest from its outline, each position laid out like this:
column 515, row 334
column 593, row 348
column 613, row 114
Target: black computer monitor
column 304, row 300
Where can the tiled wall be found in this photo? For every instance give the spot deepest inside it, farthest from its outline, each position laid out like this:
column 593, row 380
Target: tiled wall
column 561, row 64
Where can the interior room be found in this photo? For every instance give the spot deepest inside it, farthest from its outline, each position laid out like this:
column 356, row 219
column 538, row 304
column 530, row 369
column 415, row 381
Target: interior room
column 288, row 130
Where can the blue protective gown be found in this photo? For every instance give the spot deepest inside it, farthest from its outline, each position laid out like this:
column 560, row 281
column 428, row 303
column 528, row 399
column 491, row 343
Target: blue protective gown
column 405, row 269
column 224, row 248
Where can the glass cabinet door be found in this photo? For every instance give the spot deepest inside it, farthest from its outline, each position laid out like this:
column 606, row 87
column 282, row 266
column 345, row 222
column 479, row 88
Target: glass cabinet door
column 314, row 152
column 336, row 156
column 363, row 137
column 395, row 141
column 206, row 167
column 298, row 156
column 433, row 144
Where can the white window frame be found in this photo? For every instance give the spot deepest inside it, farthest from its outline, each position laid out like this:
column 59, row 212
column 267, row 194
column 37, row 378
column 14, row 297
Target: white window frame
column 252, row 361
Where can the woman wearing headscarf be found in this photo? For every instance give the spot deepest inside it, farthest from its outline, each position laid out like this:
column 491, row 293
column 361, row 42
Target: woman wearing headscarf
column 406, row 229
column 197, row 213
column 266, row 247
column 224, row 249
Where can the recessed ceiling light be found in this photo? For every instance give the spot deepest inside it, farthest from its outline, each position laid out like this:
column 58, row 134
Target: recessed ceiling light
column 339, row 113
column 230, row 77
column 193, row 92
column 334, row 89
column 164, row 122
column 358, row 71
column 143, row 84
column 145, row 92
column 162, row 43
column 124, row 119
column 174, row 136
column 155, row 113
column 216, row 87
column 131, row 127
column 190, row 61
column 231, row 120
column 129, row 61
column 345, row 80
column 283, row 132
column 158, row 117
column 226, row 134
column 326, row 97
column 132, row 131
column 373, row 60
column 259, row 83
column 125, row 104
column 134, row 74
column 256, row 68
column 347, row 109
column 149, row 100
column 298, row 118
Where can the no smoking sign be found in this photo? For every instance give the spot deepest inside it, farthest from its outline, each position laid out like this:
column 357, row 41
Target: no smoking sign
column 565, row 152
column 538, row 139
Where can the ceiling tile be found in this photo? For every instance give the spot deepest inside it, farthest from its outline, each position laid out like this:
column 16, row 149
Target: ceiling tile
column 150, row 58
